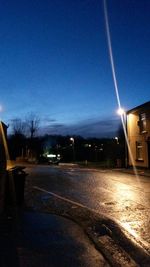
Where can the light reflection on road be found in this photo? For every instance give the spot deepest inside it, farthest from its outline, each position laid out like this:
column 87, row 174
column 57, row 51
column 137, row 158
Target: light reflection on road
column 131, row 210
column 125, row 192
column 111, row 193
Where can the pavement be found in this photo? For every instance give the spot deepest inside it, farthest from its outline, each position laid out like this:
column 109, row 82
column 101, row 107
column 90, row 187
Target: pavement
column 34, row 239
column 141, row 172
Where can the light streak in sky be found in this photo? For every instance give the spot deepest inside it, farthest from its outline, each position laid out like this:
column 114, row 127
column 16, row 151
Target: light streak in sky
column 123, row 116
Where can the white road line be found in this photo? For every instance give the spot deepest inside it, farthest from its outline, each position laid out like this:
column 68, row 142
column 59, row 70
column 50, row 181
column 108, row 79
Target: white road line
column 141, row 241
column 65, row 199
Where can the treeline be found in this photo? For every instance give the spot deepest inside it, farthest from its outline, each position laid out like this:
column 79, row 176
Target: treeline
column 23, row 142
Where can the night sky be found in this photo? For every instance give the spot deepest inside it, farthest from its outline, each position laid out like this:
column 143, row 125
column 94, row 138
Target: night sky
column 54, row 62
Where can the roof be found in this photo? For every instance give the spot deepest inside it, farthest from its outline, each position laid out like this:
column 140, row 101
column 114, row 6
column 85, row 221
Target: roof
column 146, row 105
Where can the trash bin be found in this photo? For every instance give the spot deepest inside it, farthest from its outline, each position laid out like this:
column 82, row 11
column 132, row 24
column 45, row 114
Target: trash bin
column 19, row 183
column 15, row 186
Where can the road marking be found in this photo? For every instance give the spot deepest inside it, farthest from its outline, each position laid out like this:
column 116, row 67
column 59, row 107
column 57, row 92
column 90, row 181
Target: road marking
column 139, row 240
column 63, row 198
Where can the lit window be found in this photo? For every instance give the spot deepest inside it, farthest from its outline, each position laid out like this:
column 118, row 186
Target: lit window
column 142, row 122
column 139, row 151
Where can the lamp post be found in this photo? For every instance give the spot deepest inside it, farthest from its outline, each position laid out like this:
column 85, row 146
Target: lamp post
column 121, row 112
column 117, row 140
column 73, row 151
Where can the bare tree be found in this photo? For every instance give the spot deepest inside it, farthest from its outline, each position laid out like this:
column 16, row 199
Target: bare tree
column 18, row 126
column 32, row 124
column 17, row 140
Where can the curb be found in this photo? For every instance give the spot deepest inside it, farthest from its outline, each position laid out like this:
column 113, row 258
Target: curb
column 119, row 247
column 110, row 238
column 139, row 172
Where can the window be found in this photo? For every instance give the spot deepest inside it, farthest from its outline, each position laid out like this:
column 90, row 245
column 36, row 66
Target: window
column 139, row 151
column 142, row 122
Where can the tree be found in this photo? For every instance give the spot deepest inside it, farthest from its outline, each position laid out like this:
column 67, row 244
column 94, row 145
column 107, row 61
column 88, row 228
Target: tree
column 32, row 125
column 18, row 126
column 20, row 145
column 17, row 139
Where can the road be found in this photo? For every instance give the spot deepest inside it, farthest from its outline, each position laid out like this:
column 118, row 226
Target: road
column 122, row 196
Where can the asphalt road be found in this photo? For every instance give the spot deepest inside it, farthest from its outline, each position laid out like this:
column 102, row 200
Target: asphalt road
column 121, row 196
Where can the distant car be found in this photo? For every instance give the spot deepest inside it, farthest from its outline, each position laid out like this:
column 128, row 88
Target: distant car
column 53, row 158
column 53, row 162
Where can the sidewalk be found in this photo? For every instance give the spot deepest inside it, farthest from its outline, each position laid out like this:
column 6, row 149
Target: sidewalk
column 45, row 240
column 141, row 172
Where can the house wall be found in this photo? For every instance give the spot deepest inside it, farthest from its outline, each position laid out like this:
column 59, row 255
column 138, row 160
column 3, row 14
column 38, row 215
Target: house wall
column 134, row 136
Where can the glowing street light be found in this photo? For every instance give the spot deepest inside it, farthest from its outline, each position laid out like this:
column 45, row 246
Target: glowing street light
column 117, row 139
column 72, row 139
column 122, row 114
column 121, row 111
column 73, row 151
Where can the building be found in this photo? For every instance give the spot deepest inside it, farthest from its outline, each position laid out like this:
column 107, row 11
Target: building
column 138, row 131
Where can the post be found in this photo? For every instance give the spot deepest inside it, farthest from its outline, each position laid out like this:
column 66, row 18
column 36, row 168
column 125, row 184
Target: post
column 73, row 150
column 123, row 116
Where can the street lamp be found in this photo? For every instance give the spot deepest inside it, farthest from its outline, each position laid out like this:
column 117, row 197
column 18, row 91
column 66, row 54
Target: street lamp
column 121, row 112
column 117, row 140
column 72, row 139
column 73, row 151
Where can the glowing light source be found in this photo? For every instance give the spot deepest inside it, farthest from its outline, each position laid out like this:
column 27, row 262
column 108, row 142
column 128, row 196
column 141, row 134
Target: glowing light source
column 72, row 139
column 117, row 139
column 121, row 111
column 51, row 156
column 73, row 148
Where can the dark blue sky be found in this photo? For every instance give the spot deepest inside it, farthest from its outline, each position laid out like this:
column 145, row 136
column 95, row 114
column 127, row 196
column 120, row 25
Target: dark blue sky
column 54, row 62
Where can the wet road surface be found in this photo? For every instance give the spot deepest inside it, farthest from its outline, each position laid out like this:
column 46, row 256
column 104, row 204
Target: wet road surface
column 119, row 195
